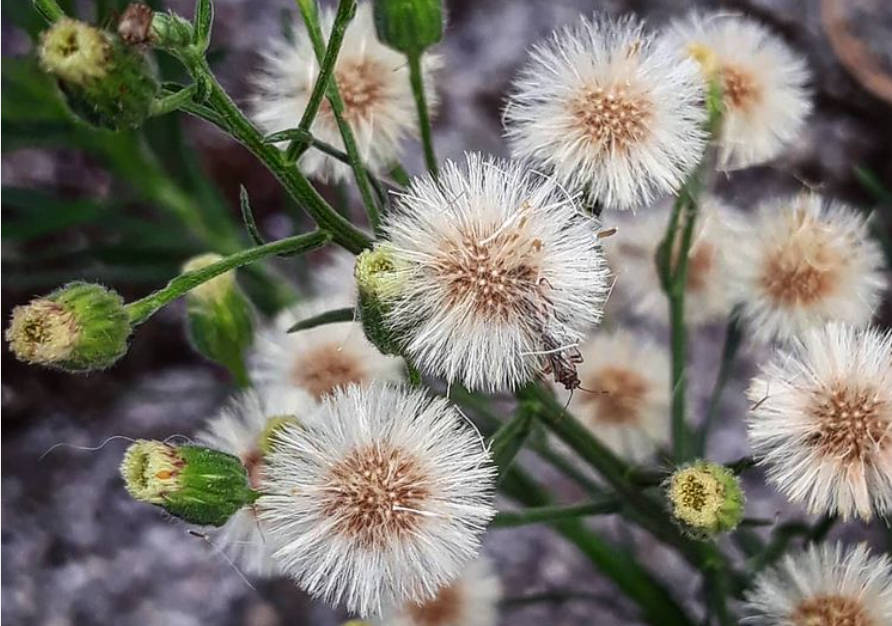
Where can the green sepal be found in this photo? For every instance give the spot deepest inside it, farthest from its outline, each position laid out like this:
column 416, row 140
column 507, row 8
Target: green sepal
column 222, row 329
column 103, row 325
column 409, row 26
column 213, row 485
column 372, row 314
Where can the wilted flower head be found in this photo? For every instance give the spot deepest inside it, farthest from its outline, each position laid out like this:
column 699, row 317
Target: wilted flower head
column 827, row 585
column 247, row 428
column 472, row 600
column 380, row 501
column 500, row 275
column 822, row 421
column 374, row 84
column 706, row 498
column 806, row 261
column 632, row 250
column 610, row 109
column 623, row 396
column 319, row 359
column 763, row 85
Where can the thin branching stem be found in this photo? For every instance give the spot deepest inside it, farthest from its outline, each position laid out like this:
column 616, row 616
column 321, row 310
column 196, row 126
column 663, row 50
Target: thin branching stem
column 416, row 78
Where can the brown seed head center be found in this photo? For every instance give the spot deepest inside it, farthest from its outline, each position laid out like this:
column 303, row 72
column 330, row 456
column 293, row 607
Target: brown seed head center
column 616, row 395
column 374, row 494
column 804, row 268
column 852, row 423
column 326, row 368
column 494, row 276
column 612, row 118
column 361, row 83
column 739, row 88
column 831, row 610
column 442, row 610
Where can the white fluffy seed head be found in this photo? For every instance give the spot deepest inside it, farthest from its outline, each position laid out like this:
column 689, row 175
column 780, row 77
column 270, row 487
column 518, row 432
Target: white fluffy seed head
column 632, row 250
column 822, row 421
column 501, row 274
column 611, row 110
column 827, row 585
column 624, row 395
column 763, row 83
column 374, row 84
column 240, row 429
column 471, row 600
column 319, row 359
column 806, row 261
column 380, row 501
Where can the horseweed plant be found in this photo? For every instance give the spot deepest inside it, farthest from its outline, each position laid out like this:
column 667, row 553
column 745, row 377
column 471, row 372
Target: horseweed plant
column 342, row 464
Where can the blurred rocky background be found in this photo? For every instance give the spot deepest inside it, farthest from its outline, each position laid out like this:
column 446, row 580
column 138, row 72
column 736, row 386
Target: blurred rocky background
column 76, row 549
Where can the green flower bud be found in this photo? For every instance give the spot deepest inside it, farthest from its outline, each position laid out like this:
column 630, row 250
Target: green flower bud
column 220, row 319
column 706, row 498
column 79, row 328
column 170, row 31
column 196, row 484
column 378, row 282
column 105, row 82
column 409, row 26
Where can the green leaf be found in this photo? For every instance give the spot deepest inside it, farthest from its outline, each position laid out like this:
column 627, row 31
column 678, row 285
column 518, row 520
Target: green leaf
column 204, row 20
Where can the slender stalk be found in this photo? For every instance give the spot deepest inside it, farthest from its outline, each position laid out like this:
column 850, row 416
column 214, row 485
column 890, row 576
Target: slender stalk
column 226, row 115
column 49, row 9
column 347, row 314
column 536, row 515
column 655, row 601
column 416, row 78
column 733, row 337
column 141, row 310
column 172, row 101
column 508, row 440
column 346, row 9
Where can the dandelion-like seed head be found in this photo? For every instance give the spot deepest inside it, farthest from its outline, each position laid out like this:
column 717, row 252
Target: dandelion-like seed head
column 827, row 585
column 42, row 332
column 623, row 398
column 807, row 262
column 826, row 405
column 501, row 275
column 373, row 82
column 609, row 109
column 320, row 359
column 380, row 501
column 706, row 498
column 471, row 600
column 763, row 82
column 75, row 51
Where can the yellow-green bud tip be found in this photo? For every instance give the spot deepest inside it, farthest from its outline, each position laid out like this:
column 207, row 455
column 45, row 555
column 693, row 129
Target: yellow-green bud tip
column 151, row 470
column 74, row 51
column 706, row 498
column 376, row 272
column 42, row 332
column 274, row 425
column 217, row 287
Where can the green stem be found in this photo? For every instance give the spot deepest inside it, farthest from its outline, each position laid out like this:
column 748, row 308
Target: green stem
column 733, row 337
column 655, row 601
column 347, row 314
column 230, row 119
column 416, row 78
column 168, row 103
column 539, row 514
column 508, row 440
column 49, row 9
column 141, row 310
column 346, row 9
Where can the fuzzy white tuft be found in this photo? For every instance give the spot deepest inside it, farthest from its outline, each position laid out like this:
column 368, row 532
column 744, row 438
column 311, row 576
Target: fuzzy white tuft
column 805, row 262
column 472, row 600
column 238, row 429
column 822, row 421
column 503, row 275
column 825, row 585
column 374, row 84
column 609, row 109
column 632, row 250
column 763, row 82
column 318, row 359
column 380, row 501
column 624, row 395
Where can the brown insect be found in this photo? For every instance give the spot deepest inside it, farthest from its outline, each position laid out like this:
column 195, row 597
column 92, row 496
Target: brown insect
column 135, row 25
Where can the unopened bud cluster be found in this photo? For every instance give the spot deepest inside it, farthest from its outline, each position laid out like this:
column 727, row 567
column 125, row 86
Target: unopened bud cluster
column 706, row 498
column 409, row 26
column 105, row 82
column 79, row 327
